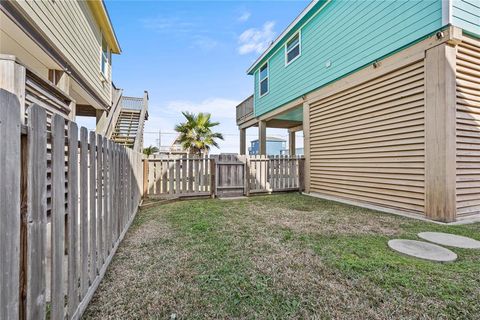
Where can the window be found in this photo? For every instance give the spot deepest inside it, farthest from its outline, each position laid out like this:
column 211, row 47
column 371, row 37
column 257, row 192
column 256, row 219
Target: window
column 292, row 49
column 105, row 57
column 264, row 79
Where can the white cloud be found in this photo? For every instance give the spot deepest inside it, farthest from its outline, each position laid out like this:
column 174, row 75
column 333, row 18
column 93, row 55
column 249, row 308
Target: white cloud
column 217, row 107
column 256, row 40
column 244, row 16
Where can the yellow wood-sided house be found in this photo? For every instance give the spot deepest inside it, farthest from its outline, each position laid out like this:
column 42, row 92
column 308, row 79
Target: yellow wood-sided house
column 58, row 54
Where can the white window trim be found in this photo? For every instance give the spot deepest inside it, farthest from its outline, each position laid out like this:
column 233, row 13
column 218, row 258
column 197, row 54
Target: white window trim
column 299, row 47
column 266, row 78
column 105, row 72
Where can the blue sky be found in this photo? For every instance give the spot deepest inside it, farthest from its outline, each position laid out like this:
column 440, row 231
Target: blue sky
column 192, row 55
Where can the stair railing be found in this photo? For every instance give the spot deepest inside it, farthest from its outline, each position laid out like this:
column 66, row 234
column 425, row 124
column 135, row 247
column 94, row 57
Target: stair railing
column 106, row 124
column 138, row 145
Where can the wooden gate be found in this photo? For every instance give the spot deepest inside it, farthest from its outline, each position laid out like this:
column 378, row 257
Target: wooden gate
column 230, row 176
column 225, row 175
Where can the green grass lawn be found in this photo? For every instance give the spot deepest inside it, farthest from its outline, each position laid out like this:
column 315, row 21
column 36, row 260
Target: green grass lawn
column 281, row 257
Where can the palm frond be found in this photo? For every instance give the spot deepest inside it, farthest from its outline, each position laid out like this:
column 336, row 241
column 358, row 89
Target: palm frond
column 195, row 133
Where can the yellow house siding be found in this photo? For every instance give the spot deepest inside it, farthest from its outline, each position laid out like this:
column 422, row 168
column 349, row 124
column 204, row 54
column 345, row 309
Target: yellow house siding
column 468, row 127
column 70, row 26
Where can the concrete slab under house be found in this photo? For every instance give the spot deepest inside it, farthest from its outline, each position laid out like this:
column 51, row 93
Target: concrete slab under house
column 387, row 96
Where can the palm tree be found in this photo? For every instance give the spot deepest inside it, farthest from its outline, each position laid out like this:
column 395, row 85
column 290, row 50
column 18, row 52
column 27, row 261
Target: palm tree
column 150, row 150
column 195, row 134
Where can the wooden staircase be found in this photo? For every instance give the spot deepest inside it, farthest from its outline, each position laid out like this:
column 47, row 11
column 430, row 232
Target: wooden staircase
column 130, row 122
column 126, row 128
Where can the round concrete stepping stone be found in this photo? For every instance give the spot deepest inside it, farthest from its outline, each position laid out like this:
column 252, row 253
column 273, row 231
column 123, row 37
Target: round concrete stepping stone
column 422, row 250
column 450, row 240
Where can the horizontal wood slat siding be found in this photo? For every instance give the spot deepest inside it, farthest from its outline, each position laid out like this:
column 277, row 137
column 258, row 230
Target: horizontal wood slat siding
column 367, row 142
column 342, row 38
column 70, row 26
column 468, row 127
column 466, row 15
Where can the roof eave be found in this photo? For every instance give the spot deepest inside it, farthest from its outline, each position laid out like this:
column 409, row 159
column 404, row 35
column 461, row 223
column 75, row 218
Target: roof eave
column 283, row 34
column 101, row 16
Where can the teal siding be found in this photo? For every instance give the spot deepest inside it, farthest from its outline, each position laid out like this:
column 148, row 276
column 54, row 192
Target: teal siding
column 349, row 34
column 466, row 15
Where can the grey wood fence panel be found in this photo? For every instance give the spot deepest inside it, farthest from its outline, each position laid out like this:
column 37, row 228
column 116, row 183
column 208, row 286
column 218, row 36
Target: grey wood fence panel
column 164, row 176
column 73, row 253
column 172, row 177
column 44, row 166
column 183, row 166
column 100, row 246
column 113, row 220
column 36, row 213
column 151, row 181
column 201, row 174
column 190, row 175
column 106, row 194
column 235, row 175
column 177, row 176
column 111, row 191
column 83, row 211
column 123, row 191
column 118, row 180
column 197, row 174
column 58, row 217
column 10, row 158
column 93, row 207
column 158, row 177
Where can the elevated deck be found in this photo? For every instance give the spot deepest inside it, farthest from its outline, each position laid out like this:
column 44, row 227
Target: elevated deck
column 245, row 111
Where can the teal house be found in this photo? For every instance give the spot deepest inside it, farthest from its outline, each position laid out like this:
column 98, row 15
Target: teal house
column 387, row 94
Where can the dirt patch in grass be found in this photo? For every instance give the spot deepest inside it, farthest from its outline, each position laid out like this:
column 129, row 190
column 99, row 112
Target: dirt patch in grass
column 281, row 257
column 334, row 221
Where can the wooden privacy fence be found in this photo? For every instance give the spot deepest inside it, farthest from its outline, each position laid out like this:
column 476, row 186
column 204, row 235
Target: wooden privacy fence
column 183, row 176
column 224, row 175
column 55, row 252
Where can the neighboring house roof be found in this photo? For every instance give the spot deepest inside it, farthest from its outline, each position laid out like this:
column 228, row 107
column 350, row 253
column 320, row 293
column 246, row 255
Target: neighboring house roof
column 304, row 16
column 272, row 139
column 103, row 19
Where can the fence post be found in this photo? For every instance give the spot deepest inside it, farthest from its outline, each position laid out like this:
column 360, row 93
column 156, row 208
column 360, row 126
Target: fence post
column 301, row 174
column 36, row 209
column 213, row 173
column 246, row 175
column 10, row 159
column 145, row 178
